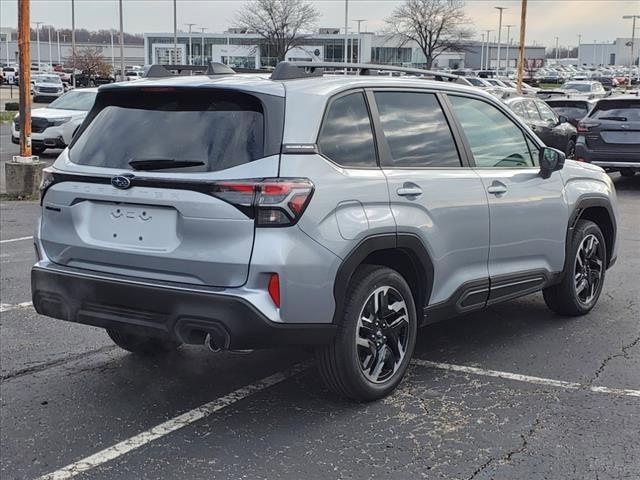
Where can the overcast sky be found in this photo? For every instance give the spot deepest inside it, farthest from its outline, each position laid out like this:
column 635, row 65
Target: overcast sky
column 599, row 20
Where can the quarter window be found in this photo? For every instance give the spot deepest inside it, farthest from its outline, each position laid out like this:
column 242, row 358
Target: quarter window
column 532, row 112
column 416, row 130
column 546, row 113
column 495, row 140
column 346, row 136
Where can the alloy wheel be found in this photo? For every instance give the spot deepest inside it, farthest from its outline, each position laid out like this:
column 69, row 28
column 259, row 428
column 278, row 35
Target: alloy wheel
column 588, row 269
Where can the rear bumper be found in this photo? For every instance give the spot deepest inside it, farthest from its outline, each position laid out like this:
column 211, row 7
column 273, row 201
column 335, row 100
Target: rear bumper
column 165, row 312
column 608, row 159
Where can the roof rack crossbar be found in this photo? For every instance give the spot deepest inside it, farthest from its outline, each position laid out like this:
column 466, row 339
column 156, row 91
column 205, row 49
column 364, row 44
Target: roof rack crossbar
column 162, row 71
column 295, row 70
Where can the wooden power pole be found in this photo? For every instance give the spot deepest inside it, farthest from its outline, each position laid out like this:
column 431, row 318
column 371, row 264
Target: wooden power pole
column 523, row 28
column 24, row 47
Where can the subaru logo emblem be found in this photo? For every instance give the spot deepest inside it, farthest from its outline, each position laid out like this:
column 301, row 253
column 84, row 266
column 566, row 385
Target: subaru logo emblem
column 121, row 182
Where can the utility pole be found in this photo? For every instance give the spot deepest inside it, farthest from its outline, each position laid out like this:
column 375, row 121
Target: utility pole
column 507, row 56
column 523, row 28
column 359, row 57
column 122, row 77
column 346, row 30
column 73, row 41
column 633, row 40
column 202, row 59
column 175, row 33
column 38, row 42
column 190, row 57
column 499, row 36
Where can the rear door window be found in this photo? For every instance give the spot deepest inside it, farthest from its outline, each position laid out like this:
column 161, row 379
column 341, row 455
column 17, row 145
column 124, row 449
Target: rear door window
column 532, row 112
column 416, row 130
column 346, row 136
column 219, row 129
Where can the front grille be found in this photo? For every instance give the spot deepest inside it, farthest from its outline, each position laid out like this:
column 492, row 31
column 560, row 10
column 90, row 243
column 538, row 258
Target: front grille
column 38, row 124
column 48, row 90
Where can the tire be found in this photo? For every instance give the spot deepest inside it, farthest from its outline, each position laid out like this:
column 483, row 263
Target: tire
column 37, row 150
column 627, row 172
column 372, row 368
column 571, row 149
column 141, row 345
column 584, row 274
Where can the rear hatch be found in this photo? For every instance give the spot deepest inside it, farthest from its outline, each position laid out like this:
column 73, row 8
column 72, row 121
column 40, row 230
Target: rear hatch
column 155, row 185
column 613, row 126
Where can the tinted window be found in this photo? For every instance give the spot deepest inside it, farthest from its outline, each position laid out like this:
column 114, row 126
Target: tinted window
column 74, row 100
column 545, row 112
column 518, row 109
column 346, row 136
column 495, row 140
column 629, row 110
column 416, row 130
column 570, row 111
column 532, row 111
column 221, row 130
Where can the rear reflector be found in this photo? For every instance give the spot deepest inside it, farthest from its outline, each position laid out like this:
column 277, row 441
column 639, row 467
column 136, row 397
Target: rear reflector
column 274, row 289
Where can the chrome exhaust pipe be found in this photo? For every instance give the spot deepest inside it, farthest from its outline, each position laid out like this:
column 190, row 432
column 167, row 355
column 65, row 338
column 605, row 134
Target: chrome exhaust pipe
column 209, row 342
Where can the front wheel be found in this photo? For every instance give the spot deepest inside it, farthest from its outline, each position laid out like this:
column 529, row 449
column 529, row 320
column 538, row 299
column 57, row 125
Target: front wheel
column 582, row 281
column 376, row 337
column 627, row 172
column 571, row 149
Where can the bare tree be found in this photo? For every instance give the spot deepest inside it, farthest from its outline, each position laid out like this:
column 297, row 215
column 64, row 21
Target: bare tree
column 283, row 24
column 436, row 26
column 90, row 62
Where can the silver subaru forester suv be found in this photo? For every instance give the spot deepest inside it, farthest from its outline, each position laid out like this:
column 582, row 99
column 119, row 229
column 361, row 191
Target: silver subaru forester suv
column 338, row 209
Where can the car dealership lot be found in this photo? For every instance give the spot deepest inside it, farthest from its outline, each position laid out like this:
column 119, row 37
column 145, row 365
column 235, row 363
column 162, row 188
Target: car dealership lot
column 529, row 409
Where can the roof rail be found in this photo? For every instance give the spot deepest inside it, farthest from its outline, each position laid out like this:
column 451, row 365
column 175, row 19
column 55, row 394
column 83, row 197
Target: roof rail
column 161, row 71
column 295, row 70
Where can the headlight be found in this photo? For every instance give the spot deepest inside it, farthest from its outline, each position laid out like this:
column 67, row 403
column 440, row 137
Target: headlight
column 59, row 121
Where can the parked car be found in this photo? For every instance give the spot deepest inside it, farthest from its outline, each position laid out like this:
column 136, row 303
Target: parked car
column 86, row 80
column 340, row 211
column 55, row 125
column 46, row 87
column 592, row 88
column 10, row 75
column 609, row 136
column 573, row 108
column 555, row 131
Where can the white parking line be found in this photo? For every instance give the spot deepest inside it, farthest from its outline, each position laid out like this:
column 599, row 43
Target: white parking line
column 7, row 307
column 16, row 239
column 170, row 426
column 524, row 378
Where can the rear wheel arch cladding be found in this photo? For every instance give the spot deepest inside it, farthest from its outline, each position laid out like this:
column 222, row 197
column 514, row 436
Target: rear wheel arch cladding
column 417, row 267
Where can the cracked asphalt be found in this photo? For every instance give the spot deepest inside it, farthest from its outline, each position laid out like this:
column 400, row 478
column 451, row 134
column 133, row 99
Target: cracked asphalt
column 67, row 393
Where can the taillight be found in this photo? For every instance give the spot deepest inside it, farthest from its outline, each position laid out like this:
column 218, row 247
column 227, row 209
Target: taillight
column 273, row 202
column 48, row 179
column 583, row 127
column 274, row 289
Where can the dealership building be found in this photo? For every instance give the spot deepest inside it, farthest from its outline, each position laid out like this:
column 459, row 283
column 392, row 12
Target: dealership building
column 617, row 52
column 248, row 50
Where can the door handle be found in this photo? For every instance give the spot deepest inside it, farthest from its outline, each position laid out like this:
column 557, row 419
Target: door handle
column 409, row 191
column 497, row 188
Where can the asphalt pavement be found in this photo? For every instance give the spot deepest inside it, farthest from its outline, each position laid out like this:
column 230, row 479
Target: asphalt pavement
column 514, row 392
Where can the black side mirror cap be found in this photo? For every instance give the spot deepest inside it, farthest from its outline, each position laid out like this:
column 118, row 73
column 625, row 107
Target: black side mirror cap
column 550, row 160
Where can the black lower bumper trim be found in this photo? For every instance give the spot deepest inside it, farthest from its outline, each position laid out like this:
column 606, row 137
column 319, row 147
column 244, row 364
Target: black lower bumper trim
column 186, row 316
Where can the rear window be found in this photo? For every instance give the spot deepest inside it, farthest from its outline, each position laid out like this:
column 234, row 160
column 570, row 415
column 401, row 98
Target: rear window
column 220, row 129
column 629, row 110
column 570, row 110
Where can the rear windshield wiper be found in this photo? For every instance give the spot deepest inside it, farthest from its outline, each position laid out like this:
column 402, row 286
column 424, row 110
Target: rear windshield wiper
column 616, row 119
column 162, row 163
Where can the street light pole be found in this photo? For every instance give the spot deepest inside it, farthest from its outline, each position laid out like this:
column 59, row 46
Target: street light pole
column 175, row 32
column 487, row 56
column 507, row 56
column 346, row 29
column 557, row 53
column 482, row 52
column 73, row 41
column 190, row 57
column 59, row 51
column 633, row 39
column 122, row 77
column 202, row 58
column 38, row 41
column 499, row 36
column 359, row 57
column 50, row 54
column 113, row 60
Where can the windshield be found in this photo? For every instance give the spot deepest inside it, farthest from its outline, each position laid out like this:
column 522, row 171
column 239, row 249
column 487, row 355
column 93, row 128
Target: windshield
column 75, row 100
column 476, row 82
column 47, row 79
column 580, row 87
column 218, row 130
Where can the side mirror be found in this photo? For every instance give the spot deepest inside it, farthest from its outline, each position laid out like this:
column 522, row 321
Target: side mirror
column 551, row 160
column 562, row 119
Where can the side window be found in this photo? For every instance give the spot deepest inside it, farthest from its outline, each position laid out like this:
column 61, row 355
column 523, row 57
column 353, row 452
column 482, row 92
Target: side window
column 416, row 130
column 532, row 111
column 495, row 140
column 518, row 109
column 346, row 136
column 546, row 113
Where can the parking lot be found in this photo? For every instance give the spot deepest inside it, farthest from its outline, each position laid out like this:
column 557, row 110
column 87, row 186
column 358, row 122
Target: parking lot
column 511, row 392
